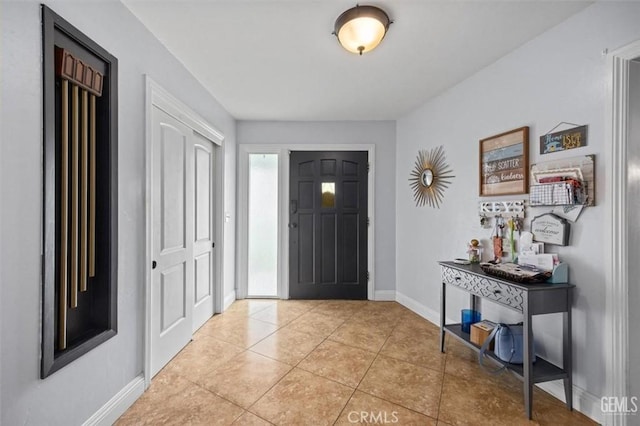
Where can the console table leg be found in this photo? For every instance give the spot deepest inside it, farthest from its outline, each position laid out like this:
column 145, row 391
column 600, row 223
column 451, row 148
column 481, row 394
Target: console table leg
column 443, row 296
column 567, row 356
column 528, row 365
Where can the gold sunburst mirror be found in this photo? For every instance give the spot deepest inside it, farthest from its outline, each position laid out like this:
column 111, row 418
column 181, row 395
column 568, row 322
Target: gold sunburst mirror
column 430, row 177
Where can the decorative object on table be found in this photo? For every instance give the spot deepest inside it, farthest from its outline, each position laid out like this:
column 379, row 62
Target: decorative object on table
column 474, row 251
column 567, row 173
column 575, row 137
column 551, row 229
column 430, row 177
column 481, row 331
column 504, row 161
column 79, row 306
column 518, row 273
column 468, row 317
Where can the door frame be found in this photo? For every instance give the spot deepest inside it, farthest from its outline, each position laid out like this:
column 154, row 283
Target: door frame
column 283, row 151
column 617, row 289
column 157, row 96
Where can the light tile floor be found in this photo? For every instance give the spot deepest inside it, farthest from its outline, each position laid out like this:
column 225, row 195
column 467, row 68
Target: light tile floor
column 295, row 362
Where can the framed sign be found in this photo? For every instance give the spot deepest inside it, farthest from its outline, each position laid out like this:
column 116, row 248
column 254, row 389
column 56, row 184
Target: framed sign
column 504, row 163
column 563, row 140
column 551, row 229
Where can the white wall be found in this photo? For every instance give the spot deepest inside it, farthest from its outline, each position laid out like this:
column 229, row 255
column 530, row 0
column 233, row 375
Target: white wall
column 74, row 393
column 559, row 76
column 380, row 133
column 633, row 206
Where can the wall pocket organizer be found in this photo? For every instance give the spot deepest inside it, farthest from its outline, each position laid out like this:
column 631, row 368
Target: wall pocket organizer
column 563, row 182
column 79, row 304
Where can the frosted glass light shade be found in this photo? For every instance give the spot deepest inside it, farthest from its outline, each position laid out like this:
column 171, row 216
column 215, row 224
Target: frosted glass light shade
column 362, row 28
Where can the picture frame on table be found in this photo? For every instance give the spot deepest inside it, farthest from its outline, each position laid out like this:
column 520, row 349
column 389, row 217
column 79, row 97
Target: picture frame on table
column 504, row 163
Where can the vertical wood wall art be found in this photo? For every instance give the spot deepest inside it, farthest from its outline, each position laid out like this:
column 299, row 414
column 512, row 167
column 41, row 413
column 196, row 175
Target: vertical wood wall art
column 79, row 301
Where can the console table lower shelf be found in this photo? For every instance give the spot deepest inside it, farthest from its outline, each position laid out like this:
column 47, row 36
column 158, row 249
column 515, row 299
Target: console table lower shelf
column 543, row 370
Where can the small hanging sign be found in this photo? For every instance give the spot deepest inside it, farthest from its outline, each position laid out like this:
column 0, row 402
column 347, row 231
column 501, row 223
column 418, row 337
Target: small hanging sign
column 551, row 229
column 575, row 137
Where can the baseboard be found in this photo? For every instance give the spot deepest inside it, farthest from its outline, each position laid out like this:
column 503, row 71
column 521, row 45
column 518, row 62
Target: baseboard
column 229, row 299
column 417, row 307
column 116, row 406
column 583, row 401
column 385, row 295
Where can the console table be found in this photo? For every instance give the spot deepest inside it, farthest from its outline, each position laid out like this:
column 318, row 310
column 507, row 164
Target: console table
column 529, row 300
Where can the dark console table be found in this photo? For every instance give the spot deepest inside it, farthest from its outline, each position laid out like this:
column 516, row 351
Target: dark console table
column 529, row 300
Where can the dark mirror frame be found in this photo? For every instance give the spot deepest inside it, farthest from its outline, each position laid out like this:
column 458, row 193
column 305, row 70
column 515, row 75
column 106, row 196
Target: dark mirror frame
column 89, row 331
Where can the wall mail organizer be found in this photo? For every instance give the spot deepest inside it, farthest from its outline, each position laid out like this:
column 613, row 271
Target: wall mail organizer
column 568, row 181
column 80, row 194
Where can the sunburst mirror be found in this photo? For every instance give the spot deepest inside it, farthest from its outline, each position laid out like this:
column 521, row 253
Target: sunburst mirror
column 430, row 177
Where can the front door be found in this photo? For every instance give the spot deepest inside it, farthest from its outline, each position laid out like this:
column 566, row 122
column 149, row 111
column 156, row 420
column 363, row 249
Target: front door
column 328, row 225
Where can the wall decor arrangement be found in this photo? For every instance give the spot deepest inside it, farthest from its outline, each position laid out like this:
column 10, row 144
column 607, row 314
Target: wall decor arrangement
column 569, row 181
column 504, row 162
column 575, row 137
column 79, row 309
column 430, row 177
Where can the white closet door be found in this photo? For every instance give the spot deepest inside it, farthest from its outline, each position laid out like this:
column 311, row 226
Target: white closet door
column 203, row 244
column 172, row 281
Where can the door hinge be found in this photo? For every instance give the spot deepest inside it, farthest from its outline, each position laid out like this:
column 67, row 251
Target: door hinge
column 368, row 221
column 213, row 245
column 368, row 167
column 368, row 276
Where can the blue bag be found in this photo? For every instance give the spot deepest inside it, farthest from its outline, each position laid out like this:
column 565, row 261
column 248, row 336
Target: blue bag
column 509, row 344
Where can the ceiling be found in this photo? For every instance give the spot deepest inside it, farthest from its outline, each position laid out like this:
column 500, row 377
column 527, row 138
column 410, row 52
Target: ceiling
column 277, row 60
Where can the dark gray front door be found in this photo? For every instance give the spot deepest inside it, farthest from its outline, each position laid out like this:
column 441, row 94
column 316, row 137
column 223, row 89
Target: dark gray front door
column 328, row 225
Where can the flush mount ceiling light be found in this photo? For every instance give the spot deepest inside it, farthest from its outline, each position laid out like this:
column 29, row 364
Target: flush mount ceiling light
column 361, row 28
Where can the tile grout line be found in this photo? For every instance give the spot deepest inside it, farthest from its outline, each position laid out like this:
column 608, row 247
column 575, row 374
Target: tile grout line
column 362, row 378
column 379, row 354
column 288, row 372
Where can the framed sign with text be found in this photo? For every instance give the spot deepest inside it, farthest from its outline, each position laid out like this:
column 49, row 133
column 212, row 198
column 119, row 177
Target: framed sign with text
column 551, row 229
column 504, row 163
column 563, row 140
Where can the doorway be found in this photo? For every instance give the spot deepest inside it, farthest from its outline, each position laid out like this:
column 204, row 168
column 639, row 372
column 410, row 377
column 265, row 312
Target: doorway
column 283, row 152
column 327, row 225
column 184, row 226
